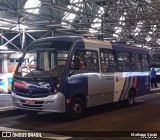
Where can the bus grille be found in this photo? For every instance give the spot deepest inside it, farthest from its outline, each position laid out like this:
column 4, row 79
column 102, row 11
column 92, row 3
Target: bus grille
column 33, row 94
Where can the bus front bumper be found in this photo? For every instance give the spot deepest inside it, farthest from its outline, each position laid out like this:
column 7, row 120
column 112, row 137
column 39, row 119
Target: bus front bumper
column 51, row 103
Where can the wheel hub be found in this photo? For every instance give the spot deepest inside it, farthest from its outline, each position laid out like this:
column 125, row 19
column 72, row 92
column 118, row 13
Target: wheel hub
column 77, row 108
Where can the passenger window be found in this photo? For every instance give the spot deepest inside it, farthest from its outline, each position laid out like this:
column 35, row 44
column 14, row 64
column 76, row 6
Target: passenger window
column 144, row 57
column 136, row 62
column 120, row 56
column 123, row 61
column 107, row 58
column 11, row 61
column 135, row 57
column 85, row 60
column 121, row 66
column 145, row 62
column 91, row 60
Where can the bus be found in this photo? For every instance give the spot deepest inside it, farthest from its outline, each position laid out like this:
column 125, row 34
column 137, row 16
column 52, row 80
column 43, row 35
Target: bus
column 69, row 74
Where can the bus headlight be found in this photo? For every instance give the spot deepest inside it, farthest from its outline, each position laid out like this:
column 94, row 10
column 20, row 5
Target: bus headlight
column 54, row 91
column 56, row 87
column 57, row 84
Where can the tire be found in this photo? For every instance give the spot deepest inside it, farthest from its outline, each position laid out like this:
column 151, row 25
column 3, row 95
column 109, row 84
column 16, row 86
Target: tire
column 131, row 99
column 76, row 109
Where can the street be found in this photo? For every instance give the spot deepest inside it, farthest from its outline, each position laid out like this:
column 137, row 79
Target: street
column 144, row 116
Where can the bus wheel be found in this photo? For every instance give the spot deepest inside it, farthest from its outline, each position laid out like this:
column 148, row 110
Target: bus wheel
column 131, row 98
column 76, row 109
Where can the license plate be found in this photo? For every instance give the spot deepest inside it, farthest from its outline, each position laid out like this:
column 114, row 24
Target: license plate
column 30, row 102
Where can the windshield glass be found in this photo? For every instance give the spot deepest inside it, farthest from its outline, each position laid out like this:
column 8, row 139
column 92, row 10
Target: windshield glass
column 45, row 59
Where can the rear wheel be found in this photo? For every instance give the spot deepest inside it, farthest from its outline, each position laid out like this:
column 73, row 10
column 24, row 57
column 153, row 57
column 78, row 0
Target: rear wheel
column 76, row 109
column 131, row 99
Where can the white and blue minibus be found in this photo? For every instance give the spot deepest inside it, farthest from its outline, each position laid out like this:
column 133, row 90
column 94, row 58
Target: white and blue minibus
column 70, row 74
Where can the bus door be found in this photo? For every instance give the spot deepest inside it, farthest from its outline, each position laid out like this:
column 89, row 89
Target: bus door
column 101, row 84
column 100, row 88
column 104, row 81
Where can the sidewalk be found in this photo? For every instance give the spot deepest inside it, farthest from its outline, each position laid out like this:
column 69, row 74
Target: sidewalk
column 155, row 90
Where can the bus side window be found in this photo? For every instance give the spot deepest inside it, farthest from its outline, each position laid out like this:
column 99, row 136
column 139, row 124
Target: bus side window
column 123, row 61
column 107, row 59
column 135, row 62
column 91, row 60
column 85, row 60
column 145, row 62
column 78, row 61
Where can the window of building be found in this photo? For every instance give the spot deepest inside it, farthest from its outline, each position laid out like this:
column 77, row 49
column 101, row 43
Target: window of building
column 11, row 61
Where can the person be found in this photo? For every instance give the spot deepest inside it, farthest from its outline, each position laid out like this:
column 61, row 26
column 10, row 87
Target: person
column 82, row 63
column 153, row 78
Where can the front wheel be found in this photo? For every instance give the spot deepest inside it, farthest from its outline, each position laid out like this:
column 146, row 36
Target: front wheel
column 76, row 109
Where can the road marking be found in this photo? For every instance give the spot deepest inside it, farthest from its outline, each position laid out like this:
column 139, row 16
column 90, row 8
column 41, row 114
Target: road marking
column 44, row 135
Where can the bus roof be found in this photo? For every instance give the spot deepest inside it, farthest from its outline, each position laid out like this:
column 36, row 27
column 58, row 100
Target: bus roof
column 64, row 38
column 97, row 42
column 115, row 46
column 129, row 48
column 73, row 38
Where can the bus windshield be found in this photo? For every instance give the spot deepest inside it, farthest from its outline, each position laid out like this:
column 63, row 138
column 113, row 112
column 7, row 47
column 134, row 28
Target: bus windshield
column 45, row 59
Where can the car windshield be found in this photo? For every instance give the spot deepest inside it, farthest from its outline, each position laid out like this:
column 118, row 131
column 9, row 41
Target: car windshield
column 45, row 59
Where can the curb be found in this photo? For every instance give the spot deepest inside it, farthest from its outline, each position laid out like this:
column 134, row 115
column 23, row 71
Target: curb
column 154, row 91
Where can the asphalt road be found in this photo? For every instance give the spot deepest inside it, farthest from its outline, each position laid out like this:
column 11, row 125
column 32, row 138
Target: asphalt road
column 108, row 120
column 5, row 101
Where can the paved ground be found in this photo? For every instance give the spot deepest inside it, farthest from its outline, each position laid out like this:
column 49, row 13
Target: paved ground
column 107, row 120
column 5, row 101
